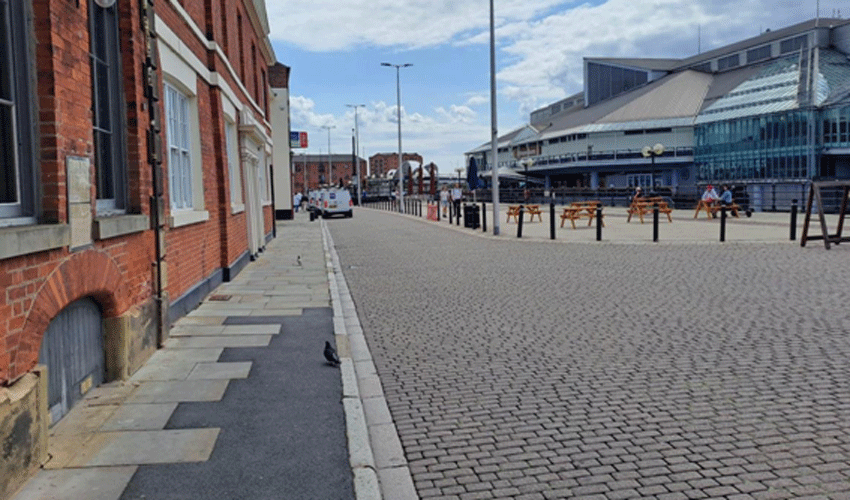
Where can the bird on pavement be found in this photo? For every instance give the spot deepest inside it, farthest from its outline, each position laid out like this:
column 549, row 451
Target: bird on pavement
column 330, row 354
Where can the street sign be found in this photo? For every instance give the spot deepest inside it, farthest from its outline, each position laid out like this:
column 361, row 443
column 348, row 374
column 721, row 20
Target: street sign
column 298, row 140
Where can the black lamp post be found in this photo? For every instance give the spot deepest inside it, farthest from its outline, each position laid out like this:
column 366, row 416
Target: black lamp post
column 652, row 152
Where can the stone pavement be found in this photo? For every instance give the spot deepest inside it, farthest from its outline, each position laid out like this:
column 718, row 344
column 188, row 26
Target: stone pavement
column 523, row 369
column 239, row 404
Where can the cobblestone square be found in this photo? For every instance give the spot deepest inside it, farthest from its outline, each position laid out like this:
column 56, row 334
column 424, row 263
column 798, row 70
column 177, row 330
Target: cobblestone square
column 538, row 370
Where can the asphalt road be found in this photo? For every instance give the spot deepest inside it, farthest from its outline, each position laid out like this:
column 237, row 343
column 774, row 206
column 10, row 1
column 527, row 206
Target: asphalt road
column 532, row 370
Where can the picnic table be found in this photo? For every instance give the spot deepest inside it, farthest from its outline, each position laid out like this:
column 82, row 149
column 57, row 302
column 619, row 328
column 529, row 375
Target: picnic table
column 711, row 207
column 578, row 210
column 531, row 210
column 645, row 206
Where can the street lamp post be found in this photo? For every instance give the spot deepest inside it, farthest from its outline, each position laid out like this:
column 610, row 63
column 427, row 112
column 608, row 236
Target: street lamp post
column 652, row 152
column 494, row 148
column 330, row 165
column 398, row 109
column 357, row 148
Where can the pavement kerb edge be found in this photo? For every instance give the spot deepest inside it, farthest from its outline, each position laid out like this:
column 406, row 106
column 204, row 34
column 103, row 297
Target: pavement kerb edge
column 366, row 473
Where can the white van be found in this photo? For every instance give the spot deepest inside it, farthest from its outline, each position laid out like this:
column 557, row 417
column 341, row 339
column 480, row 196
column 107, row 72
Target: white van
column 336, row 202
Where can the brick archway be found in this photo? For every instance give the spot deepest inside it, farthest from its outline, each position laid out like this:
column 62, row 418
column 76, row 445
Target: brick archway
column 86, row 274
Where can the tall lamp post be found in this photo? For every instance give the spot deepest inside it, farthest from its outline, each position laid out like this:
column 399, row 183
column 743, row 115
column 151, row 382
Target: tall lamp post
column 494, row 135
column 652, row 152
column 398, row 109
column 330, row 165
column 357, row 148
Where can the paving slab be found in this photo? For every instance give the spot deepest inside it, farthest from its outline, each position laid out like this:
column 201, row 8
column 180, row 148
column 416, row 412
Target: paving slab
column 203, row 342
column 212, row 371
column 156, row 447
column 138, row 417
column 166, row 356
column 101, row 483
column 179, row 391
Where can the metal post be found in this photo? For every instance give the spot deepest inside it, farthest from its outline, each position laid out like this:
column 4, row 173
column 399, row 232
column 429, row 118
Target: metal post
column 723, row 223
column 599, row 222
column 398, row 110
column 457, row 212
column 793, row 219
column 552, row 220
column 519, row 223
column 484, row 216
column 655, row 222
column 494, row 135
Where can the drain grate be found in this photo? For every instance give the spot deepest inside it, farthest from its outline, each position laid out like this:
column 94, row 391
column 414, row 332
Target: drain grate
column 219, row 298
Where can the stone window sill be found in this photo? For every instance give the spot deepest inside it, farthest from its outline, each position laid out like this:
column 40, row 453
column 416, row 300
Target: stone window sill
column 24, row 240
column 119, row 225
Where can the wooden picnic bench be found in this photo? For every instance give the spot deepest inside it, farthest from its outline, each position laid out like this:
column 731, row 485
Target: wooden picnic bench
column 531, row 210
column 513, row 211
column 644, row 206
column 712, row 207
column 578, row 210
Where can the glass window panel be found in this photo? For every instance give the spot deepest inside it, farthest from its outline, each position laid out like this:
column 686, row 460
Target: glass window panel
column 8, row 169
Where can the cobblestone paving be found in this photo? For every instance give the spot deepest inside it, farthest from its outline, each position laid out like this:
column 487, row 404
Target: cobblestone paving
column 535, row 370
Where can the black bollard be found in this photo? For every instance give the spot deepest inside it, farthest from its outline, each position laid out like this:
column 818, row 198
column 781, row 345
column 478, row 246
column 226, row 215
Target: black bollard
column 451, row 211
column 519, row 223
column 655, row 222
column 457, row 213
column 552, row 220
column 599, row 222
column 723, row 223
column 793, row 219
column 484, row 216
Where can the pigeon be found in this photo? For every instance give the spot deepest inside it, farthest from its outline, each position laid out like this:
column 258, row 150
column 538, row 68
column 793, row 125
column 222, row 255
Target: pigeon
column 330, row 354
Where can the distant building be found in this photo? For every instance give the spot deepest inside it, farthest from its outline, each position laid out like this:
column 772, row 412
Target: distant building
column 310, row 171
column 380, row 164
column 769, row 114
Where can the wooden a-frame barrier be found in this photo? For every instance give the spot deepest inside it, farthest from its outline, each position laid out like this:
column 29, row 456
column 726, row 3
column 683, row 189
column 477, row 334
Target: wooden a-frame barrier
column 815, row 193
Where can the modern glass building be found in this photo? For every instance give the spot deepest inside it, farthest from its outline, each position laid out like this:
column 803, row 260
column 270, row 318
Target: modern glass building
column 769, row 114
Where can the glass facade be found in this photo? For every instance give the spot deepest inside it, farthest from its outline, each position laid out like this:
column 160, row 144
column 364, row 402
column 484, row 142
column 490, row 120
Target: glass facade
column 607, row 81
column 835, row 127
column 768, row 147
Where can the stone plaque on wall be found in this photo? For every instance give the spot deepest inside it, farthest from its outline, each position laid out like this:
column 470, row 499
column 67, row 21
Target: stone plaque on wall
column 79, row 200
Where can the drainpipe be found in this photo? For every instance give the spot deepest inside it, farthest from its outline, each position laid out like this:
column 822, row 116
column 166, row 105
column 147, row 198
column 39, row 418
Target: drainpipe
column 154, row 140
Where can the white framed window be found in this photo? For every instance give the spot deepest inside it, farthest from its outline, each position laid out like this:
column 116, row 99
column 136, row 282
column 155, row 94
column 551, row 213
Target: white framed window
column 108, row 109
column 17, row 157
column 179, row 133
column 233, row 167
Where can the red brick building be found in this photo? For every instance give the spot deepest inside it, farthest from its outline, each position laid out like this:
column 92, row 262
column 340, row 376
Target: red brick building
column 134, row 177
column 318, row 174
column 381, row 163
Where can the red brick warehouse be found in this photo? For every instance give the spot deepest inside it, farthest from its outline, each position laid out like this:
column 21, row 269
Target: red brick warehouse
column 137, row 179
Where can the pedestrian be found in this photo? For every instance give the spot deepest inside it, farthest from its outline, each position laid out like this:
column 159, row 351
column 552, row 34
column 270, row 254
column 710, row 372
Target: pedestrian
column 457, row 194
column 638, row 194
column 296, row 200
column 726, row 196
column 709, row 196
column 444, row 200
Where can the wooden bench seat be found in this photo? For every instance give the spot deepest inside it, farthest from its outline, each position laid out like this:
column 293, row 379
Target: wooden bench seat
column 579, row 210
column 645, row 206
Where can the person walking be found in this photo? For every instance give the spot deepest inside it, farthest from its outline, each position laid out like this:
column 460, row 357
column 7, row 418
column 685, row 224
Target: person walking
column 457, row 194
column 296, row 201
column 444, row 200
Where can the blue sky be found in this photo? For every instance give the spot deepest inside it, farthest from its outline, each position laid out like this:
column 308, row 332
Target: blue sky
column 335, row 49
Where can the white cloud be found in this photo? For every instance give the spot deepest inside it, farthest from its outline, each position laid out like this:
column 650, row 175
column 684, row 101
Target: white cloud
column 325, row 25
column 541, row 44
